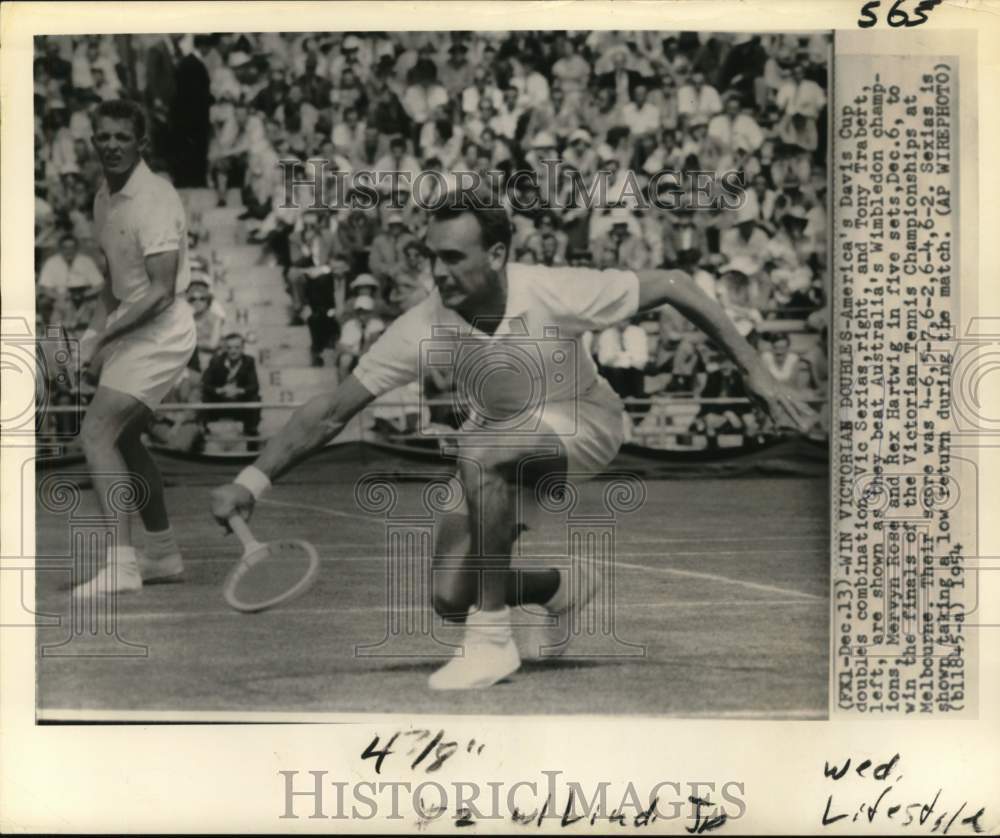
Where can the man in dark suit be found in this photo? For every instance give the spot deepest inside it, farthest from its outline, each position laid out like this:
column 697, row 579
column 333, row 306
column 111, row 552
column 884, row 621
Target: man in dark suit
column 232, row 377
column 189, row 117
column 161, row 90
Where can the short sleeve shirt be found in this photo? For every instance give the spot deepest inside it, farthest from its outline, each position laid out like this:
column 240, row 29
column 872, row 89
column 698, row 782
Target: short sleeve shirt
column 143, row 218
column 537, row 351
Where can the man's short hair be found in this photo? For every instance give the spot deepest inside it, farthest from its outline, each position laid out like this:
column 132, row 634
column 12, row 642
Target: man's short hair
column 234, row 336
column 68, row 237
column 487, row 209
column 123, row 109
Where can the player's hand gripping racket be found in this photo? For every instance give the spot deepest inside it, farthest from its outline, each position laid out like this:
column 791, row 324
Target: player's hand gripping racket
column 268, row 574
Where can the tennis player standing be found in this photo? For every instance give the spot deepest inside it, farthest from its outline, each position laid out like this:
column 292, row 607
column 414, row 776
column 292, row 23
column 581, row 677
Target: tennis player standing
column 484, row 302
column 141, row 348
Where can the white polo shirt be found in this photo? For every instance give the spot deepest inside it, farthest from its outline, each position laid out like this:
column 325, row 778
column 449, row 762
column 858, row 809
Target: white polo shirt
column 537, row 351
column 144, row 217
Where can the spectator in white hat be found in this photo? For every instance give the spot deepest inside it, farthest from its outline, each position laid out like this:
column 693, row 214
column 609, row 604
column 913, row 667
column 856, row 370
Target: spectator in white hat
column 745, row 239
column 622, row 246
column 358, row 334
column 209, row 318
column 580, row 153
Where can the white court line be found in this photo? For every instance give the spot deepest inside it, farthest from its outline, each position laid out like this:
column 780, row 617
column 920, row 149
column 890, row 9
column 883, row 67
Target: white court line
column 715, row 577
column 374, row 609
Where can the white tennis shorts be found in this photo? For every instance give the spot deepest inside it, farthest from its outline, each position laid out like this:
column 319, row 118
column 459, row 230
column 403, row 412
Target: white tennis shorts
column 147, row 362
column 590, row 428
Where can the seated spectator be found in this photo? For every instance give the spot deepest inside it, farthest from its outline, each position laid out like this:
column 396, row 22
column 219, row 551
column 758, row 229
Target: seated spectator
column 363, row 285
column 745, row 241
column 622, row 355
column 602, row 114
column 358, row 335
column 800, row 101
column 780, row 361
column 482, row 87
column 232, row 377
column 69, row 268
column 735, row 289
column 723, row 381
column 443, row 140
column 580, row 154
column 413, row 281
column 571, row 71
column 209, row 320
column 735, row 125
column 457, row 73
column 238, row 133
column 386, row 256
column 354, row 239
column 75, row 310
column 641, row 116
column 697, row 98
column 546, row 224
column 622, row 248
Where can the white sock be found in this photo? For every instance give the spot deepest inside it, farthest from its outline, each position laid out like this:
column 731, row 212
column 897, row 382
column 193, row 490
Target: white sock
column 161, row 544
column 492, row 625
column 121, row 556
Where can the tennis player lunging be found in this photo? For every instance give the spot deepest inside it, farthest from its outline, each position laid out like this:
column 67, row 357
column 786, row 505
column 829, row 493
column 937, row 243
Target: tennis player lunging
column 141, row 348
column 483, row 301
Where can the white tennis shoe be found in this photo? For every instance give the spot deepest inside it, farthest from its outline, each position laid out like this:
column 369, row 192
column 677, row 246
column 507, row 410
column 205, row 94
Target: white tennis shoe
column 120, row 575
column 155, row 571
column 490, row 654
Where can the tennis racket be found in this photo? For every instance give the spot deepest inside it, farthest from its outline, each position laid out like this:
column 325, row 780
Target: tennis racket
column 268, row 574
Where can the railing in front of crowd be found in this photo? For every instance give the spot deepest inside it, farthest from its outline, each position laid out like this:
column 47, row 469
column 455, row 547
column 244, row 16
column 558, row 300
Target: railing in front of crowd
column 651, row 421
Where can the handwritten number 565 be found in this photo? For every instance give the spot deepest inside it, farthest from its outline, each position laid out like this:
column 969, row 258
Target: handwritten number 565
column 897, row 16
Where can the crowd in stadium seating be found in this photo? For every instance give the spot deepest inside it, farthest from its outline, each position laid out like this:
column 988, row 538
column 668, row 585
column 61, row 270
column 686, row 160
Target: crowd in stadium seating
column 225, row 110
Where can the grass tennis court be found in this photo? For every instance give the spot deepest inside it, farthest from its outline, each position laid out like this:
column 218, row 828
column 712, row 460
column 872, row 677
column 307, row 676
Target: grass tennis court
column 724, row 580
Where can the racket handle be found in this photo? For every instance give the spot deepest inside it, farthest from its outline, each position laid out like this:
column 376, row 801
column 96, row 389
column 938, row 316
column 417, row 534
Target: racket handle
column 239, row 526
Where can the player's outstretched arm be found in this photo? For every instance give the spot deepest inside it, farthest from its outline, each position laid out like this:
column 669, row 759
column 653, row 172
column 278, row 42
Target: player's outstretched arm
column 311, row 426
column 678, row 289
